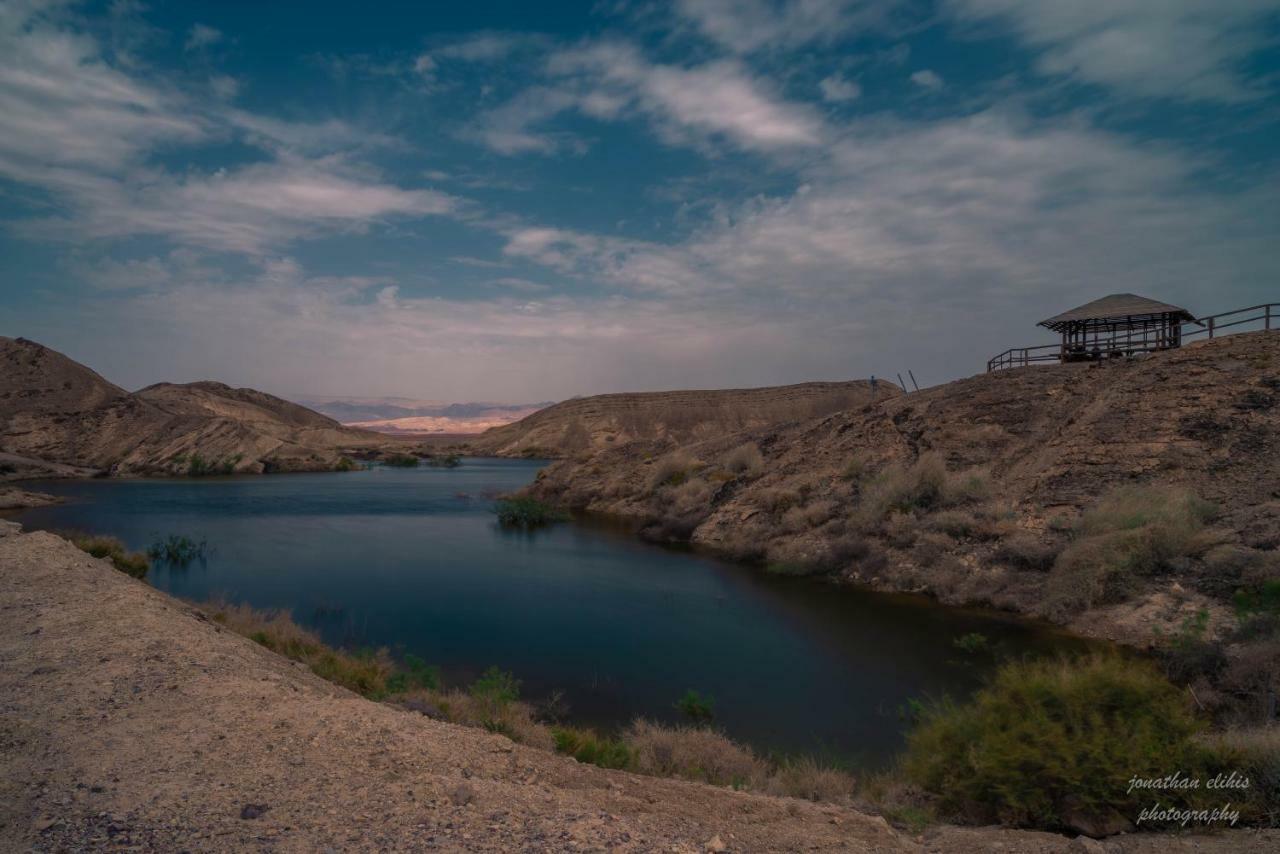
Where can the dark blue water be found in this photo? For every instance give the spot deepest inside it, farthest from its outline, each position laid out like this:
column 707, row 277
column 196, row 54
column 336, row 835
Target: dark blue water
column 412, row 559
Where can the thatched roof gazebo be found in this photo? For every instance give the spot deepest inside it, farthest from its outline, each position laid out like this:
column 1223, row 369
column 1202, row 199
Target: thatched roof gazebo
column 1118, row 325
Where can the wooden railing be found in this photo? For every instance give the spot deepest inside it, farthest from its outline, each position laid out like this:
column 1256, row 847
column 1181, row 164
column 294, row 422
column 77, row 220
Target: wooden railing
column 1267, row 316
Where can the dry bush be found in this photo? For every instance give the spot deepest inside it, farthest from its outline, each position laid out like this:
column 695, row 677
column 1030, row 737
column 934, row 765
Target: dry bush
column 1131, row 533
column 901, row 530
column 955, row 523
column 690, row 495
column 930, row 548
column 693, row 753
column 671, row 470
column 1027, row 551
column 799, row 519
column 808, row 779
column 745, row 460
column 514, row 718
column 925, row 486
column 776, row 500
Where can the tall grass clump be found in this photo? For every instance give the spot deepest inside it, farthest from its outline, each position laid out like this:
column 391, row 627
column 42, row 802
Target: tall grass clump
column 587, row 747
column 527, row 512
column 366, row 674
column 1131, row 533
column 1053, row 744
column 133, row 564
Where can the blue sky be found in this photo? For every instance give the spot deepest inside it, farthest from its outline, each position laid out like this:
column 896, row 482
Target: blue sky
column 520, row 201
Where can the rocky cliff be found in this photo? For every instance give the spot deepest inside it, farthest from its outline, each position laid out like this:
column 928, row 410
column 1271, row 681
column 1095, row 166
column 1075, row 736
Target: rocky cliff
column 974, row 491
column 57, row 412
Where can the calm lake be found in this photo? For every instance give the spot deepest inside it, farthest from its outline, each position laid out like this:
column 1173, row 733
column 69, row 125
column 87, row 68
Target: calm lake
column 413, row 560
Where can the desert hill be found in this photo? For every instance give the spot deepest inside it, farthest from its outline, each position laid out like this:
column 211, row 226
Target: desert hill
column 590, row 424
column 56, row 410
column 974, row 491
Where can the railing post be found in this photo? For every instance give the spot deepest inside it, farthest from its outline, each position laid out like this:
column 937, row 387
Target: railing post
column 1266, row 322
column 1211, row 327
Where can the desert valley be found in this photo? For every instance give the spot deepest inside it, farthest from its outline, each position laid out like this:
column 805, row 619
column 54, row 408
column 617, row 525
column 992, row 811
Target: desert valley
column 679, row 426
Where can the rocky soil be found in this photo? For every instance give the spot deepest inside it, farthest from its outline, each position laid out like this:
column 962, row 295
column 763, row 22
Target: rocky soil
column 61, row 414
column 604, row 421
column 128, row 721
column 1050, row 440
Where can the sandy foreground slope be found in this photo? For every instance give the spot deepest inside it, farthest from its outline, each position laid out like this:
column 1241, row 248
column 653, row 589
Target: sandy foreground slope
column 130, row 722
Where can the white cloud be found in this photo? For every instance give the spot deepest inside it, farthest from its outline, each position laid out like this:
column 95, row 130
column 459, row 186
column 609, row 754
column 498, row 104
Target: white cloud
column 836, row 89
column 748, row 25
column 688, row 106
column 202, row 36
column 78, row 127
column 926, row 79
column 1183, row 49
column 250, row 210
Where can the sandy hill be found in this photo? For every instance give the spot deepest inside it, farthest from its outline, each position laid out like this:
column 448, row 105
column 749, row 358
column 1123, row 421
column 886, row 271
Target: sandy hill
column 589, row 424
column 1042, row 445
column 57, row 410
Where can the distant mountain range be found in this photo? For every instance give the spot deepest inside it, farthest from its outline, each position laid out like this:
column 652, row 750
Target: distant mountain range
column 402, row 415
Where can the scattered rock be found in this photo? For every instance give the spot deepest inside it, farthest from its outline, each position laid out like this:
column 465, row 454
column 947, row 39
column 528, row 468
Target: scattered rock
column 251, row 811
column 422, row 707
column 8, row 529
column 462, row 795
column 715, row 843
column 1085, row 845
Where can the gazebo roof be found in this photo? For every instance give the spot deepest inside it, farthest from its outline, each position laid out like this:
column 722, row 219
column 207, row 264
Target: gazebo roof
column 1115, row 308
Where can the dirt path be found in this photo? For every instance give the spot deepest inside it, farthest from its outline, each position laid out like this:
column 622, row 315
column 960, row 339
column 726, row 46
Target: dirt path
column 128, row 722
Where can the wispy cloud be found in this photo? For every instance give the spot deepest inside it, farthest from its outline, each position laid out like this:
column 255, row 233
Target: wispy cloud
column 86, row 131
column 686, row 105
column 1180, row 49
column 750, row 25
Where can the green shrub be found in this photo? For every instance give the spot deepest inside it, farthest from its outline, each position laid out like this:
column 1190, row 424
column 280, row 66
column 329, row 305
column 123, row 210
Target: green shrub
column 496, row 686
column 697, row 708
column 524, row 511
column 587, row 747
column 402, row 461
column 198, row 466
column 134, row 564
column 1049, row 744
column 445, row 461
column 972, row 643
column 1131, row 533
column 177, row 550
column 345, row 464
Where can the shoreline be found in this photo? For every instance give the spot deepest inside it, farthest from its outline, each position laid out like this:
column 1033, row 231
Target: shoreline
column 192, row 725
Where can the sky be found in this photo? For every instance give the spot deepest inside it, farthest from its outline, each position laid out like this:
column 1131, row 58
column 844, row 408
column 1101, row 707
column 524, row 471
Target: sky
column 531, row 201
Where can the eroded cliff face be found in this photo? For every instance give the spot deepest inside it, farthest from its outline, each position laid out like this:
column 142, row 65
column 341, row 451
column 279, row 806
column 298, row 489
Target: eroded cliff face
column 1042, row 444
column 56, row 411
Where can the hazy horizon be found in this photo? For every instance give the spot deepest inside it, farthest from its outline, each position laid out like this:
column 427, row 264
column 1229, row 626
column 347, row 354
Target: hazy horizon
column 527, row 202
